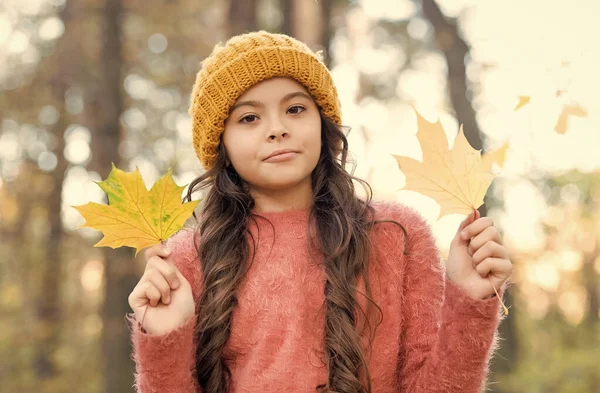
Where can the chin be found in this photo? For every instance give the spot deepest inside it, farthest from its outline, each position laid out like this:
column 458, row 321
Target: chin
column 277, row 177
column 282, row 178
column 282, row 183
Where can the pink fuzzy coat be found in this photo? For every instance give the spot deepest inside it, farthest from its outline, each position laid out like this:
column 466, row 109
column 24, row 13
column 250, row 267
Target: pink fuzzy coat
column 433, row 338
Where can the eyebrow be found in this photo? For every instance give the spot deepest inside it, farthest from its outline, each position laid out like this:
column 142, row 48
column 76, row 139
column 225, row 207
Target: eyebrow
column 258, row 104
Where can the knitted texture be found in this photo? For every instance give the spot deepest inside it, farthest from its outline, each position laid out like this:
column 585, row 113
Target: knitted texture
column 433, row 338
column 243, row 61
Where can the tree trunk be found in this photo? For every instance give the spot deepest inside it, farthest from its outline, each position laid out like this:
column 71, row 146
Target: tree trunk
column 66, row 66
column 242, row 16
column 326, row 28
column 104, row 105
column 455, row 50
column 306, row 22
column 286, row 10
column 309, row 22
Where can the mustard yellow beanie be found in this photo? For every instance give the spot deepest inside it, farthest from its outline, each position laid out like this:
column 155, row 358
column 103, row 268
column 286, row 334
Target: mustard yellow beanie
column 243, row 61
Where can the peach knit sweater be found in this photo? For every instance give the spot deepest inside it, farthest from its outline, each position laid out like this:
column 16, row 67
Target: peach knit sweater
column 434, row 338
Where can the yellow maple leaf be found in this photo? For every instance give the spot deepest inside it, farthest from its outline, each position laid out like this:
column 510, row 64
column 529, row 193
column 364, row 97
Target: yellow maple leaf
column 136, row 217
column 523, row 100
column 563, row 119
column 457, row 179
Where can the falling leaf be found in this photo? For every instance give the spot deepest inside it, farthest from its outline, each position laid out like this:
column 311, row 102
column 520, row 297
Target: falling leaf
column 457, row 179
column 136, row 217
column 562, row 123
column 523, row 100
column 563, row 119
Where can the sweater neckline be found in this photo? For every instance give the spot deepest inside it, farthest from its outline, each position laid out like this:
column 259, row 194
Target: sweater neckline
column 290, row 216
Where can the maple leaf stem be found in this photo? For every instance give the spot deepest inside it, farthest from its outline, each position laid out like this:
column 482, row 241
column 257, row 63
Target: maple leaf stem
column 495, row 290
column 144, row 315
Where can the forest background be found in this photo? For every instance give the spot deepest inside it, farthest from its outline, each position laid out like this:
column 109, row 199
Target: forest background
column 84, row 83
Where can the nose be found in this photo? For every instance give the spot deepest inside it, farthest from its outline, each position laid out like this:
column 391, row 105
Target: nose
column 278, row 135
column 277, row 130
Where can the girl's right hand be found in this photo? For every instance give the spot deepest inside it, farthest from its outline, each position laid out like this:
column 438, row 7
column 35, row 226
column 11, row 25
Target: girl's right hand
column 163, row 294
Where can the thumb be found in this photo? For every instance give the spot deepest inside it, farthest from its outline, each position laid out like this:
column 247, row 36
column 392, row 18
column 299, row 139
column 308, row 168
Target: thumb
column 464, row 224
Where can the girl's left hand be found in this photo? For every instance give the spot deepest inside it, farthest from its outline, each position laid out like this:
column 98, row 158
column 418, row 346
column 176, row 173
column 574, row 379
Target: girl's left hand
column 477, row 259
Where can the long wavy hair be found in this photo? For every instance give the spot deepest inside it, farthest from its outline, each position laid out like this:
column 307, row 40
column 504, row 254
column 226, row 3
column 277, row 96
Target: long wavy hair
column 341, row 234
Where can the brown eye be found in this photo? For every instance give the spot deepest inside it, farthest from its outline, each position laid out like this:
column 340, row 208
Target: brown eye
column 294, row 110
column 249, row 118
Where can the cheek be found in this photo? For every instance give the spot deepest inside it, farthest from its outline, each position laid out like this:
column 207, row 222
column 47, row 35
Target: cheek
column 316, row 147
column 242, row 152
column 238, row 146
column 315, row 138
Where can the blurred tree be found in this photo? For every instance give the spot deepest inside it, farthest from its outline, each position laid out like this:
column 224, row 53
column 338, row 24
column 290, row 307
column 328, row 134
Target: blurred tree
column 577, row 194
column 286, row 11
column 558, row 352
column 310, row 22
column 31, row 339
column 65, row 74
column 455, row 49
column 242, row 16
column 132, row 66
column 327, row 29
column 104, row 109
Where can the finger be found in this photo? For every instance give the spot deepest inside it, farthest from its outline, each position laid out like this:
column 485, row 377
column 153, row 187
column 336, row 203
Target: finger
column 158, row 280
column 476, row 227
column 465, row 222
column 137, row 298
column 166, row 269
column 489, row 250
column 501, row 268
column 489, row 234
column 160, row 250
column 142, row 295
column 152, row 294
column 459, row 238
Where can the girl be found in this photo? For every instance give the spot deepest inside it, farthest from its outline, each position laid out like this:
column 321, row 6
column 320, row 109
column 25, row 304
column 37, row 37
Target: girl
column 288, row 281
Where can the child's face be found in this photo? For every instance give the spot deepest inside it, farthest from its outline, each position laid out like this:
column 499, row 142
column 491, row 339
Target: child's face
column 273, row 115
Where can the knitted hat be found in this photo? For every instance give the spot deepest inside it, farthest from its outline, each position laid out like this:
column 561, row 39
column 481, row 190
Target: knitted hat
column 243, row 61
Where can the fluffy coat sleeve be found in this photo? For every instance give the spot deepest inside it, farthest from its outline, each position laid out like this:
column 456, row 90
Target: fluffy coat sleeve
column 448, row 337
column 166, row 363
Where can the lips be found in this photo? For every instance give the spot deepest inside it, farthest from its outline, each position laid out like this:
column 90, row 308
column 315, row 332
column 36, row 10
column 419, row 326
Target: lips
column 279, row 153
